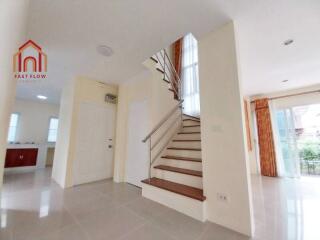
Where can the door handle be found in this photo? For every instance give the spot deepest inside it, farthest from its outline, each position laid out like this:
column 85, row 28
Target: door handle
column 109, row 146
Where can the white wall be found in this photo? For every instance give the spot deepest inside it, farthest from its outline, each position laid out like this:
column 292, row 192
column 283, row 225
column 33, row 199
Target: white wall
column 13, row 16
column 148, row 86
column 297, row 100
column 81, row 89
column 136, row 89
column 33, row 120
column 225, row 164
column 61, row 156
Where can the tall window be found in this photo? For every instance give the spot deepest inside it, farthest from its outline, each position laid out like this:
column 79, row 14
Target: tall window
column 13, row 127
column 53, row 129
column 190, row 76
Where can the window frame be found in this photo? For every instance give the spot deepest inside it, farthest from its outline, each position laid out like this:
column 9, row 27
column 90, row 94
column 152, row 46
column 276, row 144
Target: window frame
column 51, row 118
column 16, row 127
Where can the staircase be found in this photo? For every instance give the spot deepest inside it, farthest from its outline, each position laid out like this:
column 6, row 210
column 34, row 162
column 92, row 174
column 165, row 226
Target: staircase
column 175, row 175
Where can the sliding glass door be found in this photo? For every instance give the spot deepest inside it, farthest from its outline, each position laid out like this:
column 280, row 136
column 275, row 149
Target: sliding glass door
column 297, row 137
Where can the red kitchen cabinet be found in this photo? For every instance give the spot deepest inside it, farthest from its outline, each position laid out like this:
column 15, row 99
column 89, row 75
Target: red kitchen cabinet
column 21, row 157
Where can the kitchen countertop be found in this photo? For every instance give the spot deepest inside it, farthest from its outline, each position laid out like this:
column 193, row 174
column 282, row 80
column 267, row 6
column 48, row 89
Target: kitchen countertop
column 29, row 145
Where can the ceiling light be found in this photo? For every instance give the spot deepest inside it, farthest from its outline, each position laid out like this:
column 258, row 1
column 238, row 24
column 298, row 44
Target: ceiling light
column 286, row 80
column 41, row 97
column 105, row 50
column 288, row 42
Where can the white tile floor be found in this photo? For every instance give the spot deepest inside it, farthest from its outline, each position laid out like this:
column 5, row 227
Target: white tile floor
column 34, row 208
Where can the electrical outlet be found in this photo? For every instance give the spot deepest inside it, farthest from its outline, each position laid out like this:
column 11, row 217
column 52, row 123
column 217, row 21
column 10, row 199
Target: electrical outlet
column 222, row 197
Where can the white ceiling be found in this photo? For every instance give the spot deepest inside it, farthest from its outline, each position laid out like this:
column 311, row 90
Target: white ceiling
column 69, row 32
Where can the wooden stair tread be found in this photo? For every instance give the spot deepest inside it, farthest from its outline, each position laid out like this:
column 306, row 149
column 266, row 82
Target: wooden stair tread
column 167, row 81
column 186, row 140
column 153, row 59
column 189, row 119
column 179, row 170
column 190, row 159
column 191, row 116
column 191, row 126
column 160, row 70
column 189, row 132
column 183, row 148
column 192, row 192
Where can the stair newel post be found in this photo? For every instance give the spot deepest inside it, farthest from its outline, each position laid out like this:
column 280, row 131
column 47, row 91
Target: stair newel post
column 150, row 159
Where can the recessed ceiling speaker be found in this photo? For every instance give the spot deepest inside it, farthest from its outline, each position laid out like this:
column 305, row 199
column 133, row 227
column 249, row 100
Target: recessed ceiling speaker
column 288, row 42
column 105, row 50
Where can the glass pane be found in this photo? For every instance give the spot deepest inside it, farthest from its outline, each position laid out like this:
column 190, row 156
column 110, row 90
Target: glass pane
column 54, row 123
column 13, row 119
column 13, row 127
column 52, row 137
column 307, row 122
column 190, row 50
column 287, row 137
column 12, row 134
column 53, row 129
column 190, row 79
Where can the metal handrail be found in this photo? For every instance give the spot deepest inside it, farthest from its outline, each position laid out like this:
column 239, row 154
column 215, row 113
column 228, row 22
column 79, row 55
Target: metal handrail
column 165, row 132
column 170, row 74
column 166, row 143
column 164, row 119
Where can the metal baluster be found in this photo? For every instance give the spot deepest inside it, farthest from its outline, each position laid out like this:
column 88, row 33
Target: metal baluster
column 181, row 114
column 164, row 67
column 150, row 160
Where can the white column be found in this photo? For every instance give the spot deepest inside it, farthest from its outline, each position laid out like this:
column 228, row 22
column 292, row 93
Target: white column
column 13, row 14
column 225, row 165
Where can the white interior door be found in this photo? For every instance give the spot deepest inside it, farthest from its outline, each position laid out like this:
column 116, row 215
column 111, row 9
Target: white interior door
column 138, row 156
column 94, row 143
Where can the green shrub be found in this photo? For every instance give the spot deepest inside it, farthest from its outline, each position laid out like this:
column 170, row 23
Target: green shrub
column 310, row 151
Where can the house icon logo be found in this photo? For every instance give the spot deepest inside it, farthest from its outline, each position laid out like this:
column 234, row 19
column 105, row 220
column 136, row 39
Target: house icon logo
column 30, row 62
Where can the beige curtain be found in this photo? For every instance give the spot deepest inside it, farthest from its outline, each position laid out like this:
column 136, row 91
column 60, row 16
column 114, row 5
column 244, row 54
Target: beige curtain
column 265, row 136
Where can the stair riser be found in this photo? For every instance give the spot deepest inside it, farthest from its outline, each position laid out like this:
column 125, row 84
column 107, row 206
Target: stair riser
column 189, row 180
column 183, row 153
column 196, row 136
column 186, row 144
column 181, row 164
column 191, row 129
column 190, row 123
column 186, row 205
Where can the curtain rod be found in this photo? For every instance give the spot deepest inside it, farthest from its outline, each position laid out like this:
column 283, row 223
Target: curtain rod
column 292, row 95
